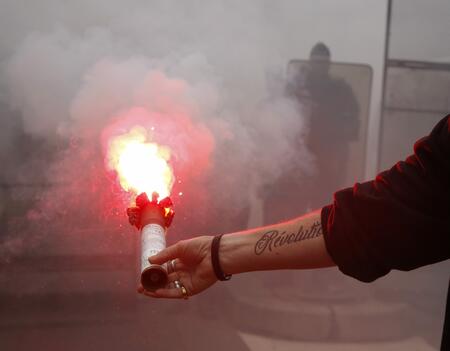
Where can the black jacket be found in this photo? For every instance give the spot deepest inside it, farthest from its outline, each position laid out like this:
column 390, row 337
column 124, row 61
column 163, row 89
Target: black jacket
column 400, row 220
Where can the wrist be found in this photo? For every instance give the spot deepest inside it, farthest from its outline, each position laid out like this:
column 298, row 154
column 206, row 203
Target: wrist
column 215, row 259
column 230, row 249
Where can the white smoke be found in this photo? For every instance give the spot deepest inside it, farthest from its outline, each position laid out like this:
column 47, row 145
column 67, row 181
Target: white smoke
column 199, row 58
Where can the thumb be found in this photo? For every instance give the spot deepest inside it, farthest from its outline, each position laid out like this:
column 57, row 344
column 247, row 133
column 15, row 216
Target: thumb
column 165, row 255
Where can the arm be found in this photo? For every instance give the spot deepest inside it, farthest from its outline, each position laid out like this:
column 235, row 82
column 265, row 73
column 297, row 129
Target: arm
column 400, row 220
column 295, row 244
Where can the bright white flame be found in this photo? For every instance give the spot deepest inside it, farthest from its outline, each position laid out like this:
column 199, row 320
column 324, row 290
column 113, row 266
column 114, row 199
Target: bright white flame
column 142, row 166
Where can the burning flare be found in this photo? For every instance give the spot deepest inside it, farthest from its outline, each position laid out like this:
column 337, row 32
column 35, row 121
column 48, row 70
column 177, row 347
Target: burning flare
column 142, row 166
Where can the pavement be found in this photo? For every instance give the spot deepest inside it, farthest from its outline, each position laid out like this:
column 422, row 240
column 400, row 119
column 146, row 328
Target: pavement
column 260, row 343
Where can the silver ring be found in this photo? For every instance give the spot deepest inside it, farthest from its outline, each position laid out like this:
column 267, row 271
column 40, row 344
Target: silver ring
column 172, row 263
column 177, row 284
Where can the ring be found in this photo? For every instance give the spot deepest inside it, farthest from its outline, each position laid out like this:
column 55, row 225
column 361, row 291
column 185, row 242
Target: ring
column 171, row 266
column 184, row 292
column 180, row 286
column 172, row 263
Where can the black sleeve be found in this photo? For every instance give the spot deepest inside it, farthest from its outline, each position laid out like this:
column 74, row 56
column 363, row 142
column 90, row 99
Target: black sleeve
column 400, row 220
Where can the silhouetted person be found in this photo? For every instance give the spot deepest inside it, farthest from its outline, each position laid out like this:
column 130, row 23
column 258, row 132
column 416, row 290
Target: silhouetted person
column 332, row 111
column 334, row 122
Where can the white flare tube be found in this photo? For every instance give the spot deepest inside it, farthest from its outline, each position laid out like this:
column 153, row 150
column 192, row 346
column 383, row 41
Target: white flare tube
column 153, row 240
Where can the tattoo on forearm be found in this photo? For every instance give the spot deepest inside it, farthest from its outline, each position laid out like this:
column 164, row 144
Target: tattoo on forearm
column 274, row 238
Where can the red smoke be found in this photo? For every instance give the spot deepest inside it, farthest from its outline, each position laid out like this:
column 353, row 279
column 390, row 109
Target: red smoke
column 191, row 143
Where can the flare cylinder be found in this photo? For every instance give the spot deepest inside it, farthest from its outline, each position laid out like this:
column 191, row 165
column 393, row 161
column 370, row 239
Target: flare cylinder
column 153, row 240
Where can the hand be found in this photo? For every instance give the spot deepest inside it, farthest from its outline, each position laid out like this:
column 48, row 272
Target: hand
column 192, row 267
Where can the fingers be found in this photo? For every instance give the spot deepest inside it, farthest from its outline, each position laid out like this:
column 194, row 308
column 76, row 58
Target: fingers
column 173, row 290
column 172, row 277
column 168, row 293
column 164, row 293
column 167, row 254
column 141, row 290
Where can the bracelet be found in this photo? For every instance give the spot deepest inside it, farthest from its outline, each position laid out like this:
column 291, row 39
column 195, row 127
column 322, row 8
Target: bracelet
column 215, row 259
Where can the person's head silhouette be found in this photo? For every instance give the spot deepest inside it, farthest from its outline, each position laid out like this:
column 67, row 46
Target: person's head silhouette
column 319, row 60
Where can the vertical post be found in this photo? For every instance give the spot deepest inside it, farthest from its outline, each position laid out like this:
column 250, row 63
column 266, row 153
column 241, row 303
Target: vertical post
column 385, row 68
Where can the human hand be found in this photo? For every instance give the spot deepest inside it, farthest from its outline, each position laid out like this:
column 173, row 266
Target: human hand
column 192, row 267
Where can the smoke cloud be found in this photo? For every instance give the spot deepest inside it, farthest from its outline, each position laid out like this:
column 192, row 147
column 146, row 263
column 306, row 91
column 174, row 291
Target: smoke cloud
column 213, row 92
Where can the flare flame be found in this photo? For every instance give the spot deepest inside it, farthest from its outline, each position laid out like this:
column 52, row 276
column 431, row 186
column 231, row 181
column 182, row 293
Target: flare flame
column 141, row 165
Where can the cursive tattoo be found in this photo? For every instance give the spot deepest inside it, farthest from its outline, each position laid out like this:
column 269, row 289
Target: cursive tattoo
column 274, row 238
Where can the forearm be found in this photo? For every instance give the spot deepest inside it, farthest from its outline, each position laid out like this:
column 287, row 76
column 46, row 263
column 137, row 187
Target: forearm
column 295, row 244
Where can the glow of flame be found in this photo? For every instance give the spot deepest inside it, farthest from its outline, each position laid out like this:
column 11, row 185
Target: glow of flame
column 142, row 166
